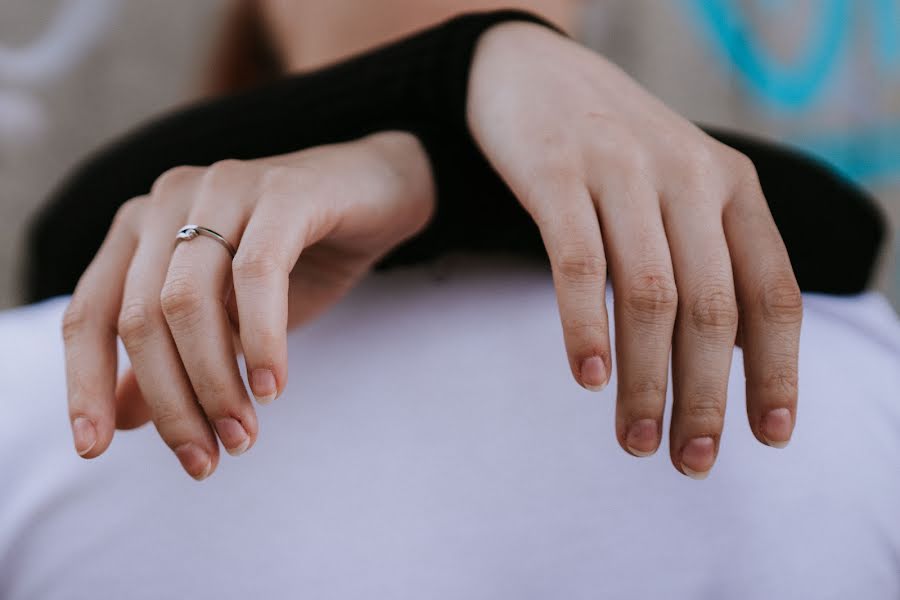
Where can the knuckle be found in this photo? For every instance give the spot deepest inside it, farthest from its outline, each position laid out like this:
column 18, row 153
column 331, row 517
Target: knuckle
column 255, row 264
column 136, row 321
column 651, row 296
column 650, row 388
column 587, row 328
column 614, row 142
column 127, row 212
column 268, row 339
column 699, row 165
column 714, row 309
column 553, row 179
column 215, row 395
column 555, row 140
column 226, row 166
column 223, row 173
column 781, row 386
column 706, row 409
column 743, row 164
column 75, row 319
column 707, row 152
column 560, row 176
column 781, row 301
column 180, row 299
column 280, row 179
column 547, row 184
column 579, row 264
column 174, row 178
column 743, row 168
column 624, row 155
column 168, row 420
column 610, row 131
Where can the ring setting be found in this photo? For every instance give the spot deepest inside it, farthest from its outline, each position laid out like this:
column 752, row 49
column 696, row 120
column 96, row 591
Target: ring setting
column 186, row 233
column 191, row 231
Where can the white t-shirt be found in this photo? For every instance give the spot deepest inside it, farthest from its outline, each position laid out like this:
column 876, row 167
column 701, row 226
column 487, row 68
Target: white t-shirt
column 433, row 445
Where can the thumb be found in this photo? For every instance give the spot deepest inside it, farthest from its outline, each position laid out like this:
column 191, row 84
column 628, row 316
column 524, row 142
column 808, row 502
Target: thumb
column 131, row 408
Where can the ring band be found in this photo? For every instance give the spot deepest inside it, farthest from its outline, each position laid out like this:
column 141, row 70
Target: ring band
column 189, row 232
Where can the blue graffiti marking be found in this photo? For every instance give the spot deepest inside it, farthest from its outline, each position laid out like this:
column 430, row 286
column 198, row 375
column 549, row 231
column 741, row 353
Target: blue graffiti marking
column 792, row 86
column 887, row 24
column 798, row 85
column 869, row 154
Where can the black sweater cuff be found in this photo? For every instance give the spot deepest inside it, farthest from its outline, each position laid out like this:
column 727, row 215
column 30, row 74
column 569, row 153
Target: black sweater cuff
column 418, row 84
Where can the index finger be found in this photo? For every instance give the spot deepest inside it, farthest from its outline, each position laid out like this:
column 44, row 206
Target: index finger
column 771, row 313
column 568, row 224
column 89, row 334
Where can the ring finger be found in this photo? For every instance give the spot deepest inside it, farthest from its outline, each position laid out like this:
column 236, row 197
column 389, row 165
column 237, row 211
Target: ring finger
column 194, row 300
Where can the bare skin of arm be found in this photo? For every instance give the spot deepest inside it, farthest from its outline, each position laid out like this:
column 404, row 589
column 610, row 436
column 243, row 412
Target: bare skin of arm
column 312, row 33
column 620, row 186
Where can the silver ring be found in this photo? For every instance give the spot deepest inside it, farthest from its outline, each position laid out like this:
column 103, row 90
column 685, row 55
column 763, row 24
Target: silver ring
column 189, row 232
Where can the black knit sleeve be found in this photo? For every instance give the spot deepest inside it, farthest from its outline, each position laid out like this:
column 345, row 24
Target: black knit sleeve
column 417, row 84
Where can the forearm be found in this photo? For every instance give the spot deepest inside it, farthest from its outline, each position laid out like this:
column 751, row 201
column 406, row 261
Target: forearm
column 312, row 33
column 418, row 85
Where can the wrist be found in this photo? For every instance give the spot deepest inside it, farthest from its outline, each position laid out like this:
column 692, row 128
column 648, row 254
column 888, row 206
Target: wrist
column 502, row 47
column 406, row 172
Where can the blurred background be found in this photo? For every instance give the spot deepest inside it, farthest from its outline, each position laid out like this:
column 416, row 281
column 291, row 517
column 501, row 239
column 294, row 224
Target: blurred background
column 821, row 74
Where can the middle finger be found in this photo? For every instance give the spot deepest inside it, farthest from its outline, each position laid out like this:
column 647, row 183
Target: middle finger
column 154, row 358
column 705, row 330
column 645, row 304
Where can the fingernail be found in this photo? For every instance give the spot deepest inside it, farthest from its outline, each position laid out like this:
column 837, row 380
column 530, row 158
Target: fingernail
column 697, row 457
column 642, row 438
column 195, row 460
column 593, row 373
column 776, row 427
column 85, row 435
column 233, row 435
column 262, row 382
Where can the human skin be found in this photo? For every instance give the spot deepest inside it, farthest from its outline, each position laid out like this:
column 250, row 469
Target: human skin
column 176, row 311
column 312, row 33
column 681, row 210
column 620, row 187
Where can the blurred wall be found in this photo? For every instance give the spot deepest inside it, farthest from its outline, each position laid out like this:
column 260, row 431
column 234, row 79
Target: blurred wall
column 824, row 74
column 820, row 74
column 74, row 73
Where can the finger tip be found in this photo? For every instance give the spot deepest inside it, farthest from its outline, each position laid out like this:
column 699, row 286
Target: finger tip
column 642, row 438
column 265, row 398
column 639, row 453
column 240, row 448
column 84, row 435
column 698, row 457
column 86, row 452
column 196, row 461
column 263, row 385
column 775, row 444
column 776, row 428
column 593, row 374
column 206, row 473
column 698, row 475
column 95, row 451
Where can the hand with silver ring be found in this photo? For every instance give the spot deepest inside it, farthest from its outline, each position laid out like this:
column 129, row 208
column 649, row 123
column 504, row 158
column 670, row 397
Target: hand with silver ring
column 269, row 244
column 189, row 232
